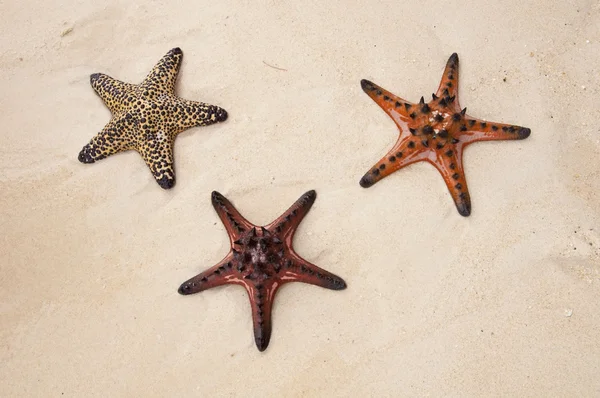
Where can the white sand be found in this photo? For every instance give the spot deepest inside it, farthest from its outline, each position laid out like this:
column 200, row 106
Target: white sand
column 437, row 304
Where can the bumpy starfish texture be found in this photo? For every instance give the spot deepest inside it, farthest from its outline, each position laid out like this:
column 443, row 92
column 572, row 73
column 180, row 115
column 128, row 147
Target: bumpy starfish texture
column 261, row 260
column 435, row 132
column 146, row 117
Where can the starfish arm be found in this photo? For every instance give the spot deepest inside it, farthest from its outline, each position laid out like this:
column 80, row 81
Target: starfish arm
column 234, row 222
column 481, row 130
column 161, row 79
column 221, row 274
column 450, row 166
column 112, row 139
column 288, row 222
column 115, row 94
column 298, row 269
column 449, row 83
column 405, row 152
column 194, row 114
column 261, row 300
column 400, row 110
column 156, row 148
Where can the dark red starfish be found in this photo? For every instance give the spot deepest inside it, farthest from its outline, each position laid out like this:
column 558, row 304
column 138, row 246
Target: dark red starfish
column 435, row 132
column 262, row 259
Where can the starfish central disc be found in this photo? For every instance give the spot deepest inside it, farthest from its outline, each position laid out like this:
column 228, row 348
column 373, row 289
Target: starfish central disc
column 258, row 255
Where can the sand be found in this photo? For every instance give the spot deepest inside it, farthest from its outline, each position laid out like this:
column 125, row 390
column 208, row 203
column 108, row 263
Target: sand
column 505, row 302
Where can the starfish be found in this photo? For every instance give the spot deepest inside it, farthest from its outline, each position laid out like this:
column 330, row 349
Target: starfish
column 147, row 117
column 262, row 259
column 436, row 132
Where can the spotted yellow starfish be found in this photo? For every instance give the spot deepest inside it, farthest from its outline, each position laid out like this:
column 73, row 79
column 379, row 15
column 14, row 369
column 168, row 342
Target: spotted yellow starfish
column 146, row 117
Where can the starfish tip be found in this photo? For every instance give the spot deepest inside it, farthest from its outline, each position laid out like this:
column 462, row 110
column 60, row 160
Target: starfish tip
column 183, row 289
column 84, row 157
column 340, row 285
column 366, row 85
column 524, row 133
column 464, row 209
column 453, row 58
column 366, row 181
column 177, row 50
column 262, row 342
column 312, row 195
column 166, row 182
column 94, row 77
column 261, row 348
column 221, row 115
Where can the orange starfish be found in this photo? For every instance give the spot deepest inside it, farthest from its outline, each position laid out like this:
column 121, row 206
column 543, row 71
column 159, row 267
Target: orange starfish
column 435, row 132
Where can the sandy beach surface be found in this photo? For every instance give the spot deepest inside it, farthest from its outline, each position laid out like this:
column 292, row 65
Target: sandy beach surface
column 505, row 302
